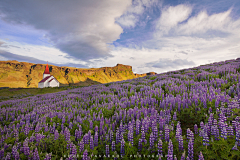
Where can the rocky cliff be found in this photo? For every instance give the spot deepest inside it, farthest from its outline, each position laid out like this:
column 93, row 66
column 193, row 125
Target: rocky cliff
column 145, row 74
column 16, row 74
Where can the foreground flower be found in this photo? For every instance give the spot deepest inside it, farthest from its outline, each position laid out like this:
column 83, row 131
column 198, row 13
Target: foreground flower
column 235, row 146
column 201, row 156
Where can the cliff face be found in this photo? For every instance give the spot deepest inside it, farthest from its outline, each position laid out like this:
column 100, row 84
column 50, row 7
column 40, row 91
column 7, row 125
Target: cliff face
column 16, row 74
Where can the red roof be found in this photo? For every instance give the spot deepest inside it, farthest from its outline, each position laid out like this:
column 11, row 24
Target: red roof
column 44, row 79
column 50, row 80
column 46, row 70
column 53, row 78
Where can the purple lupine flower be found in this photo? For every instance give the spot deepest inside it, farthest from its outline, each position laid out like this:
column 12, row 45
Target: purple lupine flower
column 230, row 131
column 73, row 150
column 178, row 134
column 96, row 139
column 167, row 130
column 85, row 137
column 183, row 156
column 111, row 135
column 175, row 116
column 15, row 132
column 121, row 127
column 107, row 138
column 76, row 135
column 85, row 155
column 26, row 129
column 15, row 153
column 46, row 128
column 180, row 143
column 8, row 156
column 91, row 143
column 140, row 144
column 215, row 122
column 48, row 156
column 130, row 137
column 175, row 157
column 202, row 125
column 96, row 129
column 67, row 134
column 113, row 145
column 26, row 149
column 216, row 136
column 160, row 147
column 224, row 133
column 32, row 138
column 69, row 145
column 81, row 146
column 195, row 129
column 213, row 130
column 107, row 150
column 188, row 134
column 190, row 149
column 191, row 136
column 117, row 136
column 160, row 157
column 1, row 153
column 90, row 124
column 121, row 136
column 143, row 135
column 161, row 134
column 35, row 155
column 142, row 127
column 201, row 156
column 205, row 139
column 170, row 150
column 235, row 146
column 56, row 135
column 137, row 126
column 151, row 139
column 238, row 136
column 122, row 151
column 155, row 132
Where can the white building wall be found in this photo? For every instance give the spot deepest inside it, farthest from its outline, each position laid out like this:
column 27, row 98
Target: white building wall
column 45, row 75
column 46, row 83
column 53, row 83
column 40, row 85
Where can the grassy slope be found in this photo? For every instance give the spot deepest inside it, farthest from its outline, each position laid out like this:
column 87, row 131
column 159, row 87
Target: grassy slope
column 16, row 93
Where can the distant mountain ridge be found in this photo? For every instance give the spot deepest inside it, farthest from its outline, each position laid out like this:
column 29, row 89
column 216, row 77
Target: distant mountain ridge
column 16, row 74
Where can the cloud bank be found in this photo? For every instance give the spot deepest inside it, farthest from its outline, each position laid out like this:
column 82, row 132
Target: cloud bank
column 149, row 35
column 82, row 28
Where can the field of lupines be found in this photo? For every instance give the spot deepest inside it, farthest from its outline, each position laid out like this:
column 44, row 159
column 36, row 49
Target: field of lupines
column 187, row 114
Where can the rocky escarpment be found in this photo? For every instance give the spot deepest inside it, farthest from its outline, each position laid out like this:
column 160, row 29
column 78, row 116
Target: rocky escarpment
column 145, row 74
column 16, row 74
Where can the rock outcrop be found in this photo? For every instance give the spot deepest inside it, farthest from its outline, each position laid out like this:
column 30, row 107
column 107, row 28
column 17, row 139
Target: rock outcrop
column 145, row 74
column 16, row 74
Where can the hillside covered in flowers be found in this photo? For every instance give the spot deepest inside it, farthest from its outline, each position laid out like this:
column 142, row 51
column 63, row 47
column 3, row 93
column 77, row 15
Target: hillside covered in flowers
column 187, row 114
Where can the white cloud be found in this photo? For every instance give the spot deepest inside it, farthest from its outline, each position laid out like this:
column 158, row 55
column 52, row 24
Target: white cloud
column 139, row 59
column 80, row 28
column 172, row 53
column 127, row 21
column 132, row 14
column 171, row 16
column 203, row 22
column 41, row 53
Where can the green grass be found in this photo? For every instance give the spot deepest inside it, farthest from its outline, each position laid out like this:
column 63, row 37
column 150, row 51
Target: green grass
column 18, row 93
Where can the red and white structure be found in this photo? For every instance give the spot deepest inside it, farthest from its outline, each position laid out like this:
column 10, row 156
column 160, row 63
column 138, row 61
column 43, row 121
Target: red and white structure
column 48, row 80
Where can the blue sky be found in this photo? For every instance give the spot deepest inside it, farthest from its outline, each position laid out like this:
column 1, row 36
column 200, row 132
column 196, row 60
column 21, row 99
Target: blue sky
column 149, row 35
